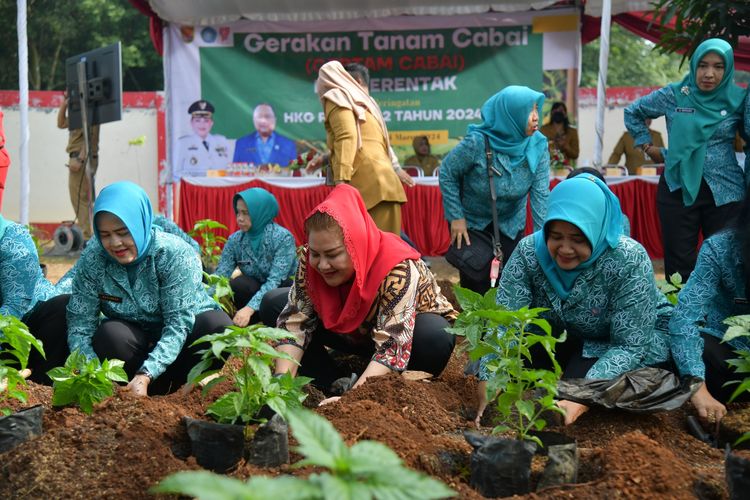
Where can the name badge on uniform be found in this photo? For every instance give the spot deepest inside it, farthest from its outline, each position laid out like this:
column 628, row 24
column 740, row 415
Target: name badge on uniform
column 685, row 110
column 243, row 262
column 741, row 300
column 110, row 298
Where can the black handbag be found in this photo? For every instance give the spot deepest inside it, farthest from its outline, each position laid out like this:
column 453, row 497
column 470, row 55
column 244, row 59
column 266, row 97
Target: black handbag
column 474, row 260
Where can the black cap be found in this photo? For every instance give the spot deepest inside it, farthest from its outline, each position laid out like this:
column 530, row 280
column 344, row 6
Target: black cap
column 201, row 108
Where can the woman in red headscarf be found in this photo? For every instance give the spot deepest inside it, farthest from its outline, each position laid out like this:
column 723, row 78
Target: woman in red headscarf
column 360, row 290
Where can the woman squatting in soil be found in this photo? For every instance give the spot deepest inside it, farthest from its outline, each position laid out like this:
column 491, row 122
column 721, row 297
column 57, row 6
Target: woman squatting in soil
column 362, row 291
column 147, row 285
column 264, row 252
column 597, row 284
column 717, row 289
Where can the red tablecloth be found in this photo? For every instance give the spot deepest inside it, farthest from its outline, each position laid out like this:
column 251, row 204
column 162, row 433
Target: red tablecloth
column 422, row 215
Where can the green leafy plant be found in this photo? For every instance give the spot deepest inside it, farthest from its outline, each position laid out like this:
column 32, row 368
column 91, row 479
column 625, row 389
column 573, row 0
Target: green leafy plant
column 16, row 343
column 671, row 289
column 365, row 470
column 506, row 338
column 256, row 386
column 220, row 290
column 39, row 237
column 85, row 382
column 209, row 241
column 739, row 326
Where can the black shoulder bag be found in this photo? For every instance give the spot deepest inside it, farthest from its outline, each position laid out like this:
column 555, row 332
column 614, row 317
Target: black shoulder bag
column 475, row 259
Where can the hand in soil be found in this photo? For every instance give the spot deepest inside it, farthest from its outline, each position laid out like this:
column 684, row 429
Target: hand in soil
column 138, row 386
column 572, row 410
column 25, row 373
column 709, row 409
column 482, row 398
column 329, row 400
column 242, row 317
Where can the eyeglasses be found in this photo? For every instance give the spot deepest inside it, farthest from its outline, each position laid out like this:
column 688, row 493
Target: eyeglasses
column 202, row 119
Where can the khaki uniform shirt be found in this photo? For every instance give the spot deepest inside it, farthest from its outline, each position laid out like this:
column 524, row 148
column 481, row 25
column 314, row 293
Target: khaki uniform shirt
column 368, row 169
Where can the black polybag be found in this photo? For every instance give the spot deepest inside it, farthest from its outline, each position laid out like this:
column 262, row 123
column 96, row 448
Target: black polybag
column 20, row 426
column 737, row 471
column 270, row 445
column 500, row 467
column 643, row 390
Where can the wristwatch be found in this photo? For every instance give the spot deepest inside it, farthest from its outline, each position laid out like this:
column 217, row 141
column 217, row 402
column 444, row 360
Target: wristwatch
column 145, row 372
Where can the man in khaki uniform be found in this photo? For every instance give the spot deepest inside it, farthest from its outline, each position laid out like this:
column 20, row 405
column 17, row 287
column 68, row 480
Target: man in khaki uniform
column 78, row 182
column 634, row 156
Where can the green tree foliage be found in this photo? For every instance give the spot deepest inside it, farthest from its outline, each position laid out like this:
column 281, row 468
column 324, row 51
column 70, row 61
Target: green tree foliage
column 633, row 62
column 697, row 20
column 57, row 30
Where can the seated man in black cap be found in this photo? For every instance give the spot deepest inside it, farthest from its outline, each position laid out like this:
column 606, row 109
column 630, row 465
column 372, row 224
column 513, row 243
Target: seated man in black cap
column 201, row 150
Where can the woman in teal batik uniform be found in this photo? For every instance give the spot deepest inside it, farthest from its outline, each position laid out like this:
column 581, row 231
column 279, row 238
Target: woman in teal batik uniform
column 138, row 295
column 597, row 283
column 264, row 252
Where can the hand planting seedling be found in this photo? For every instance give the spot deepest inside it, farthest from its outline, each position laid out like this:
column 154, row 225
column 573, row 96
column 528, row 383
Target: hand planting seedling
column 85, row 382
column 255, row 384
column 504, row 338
column 367, row 469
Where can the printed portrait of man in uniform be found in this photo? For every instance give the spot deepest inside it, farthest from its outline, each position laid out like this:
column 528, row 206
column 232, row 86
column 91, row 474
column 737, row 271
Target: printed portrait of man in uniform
column 201, row 151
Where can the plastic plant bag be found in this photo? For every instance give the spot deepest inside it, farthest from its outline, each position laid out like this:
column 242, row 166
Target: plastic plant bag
column 20, row 426
column 500, row 467
column 644, row 390
column 270, row 445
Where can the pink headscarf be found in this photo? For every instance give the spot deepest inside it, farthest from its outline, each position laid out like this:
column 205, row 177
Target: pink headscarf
column 339, row 87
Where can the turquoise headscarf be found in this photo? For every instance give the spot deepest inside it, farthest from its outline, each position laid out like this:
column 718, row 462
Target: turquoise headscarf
column 3, row 226
column 505, row 116
column 130, row 203
column 692, row 129
column 262, row 207
column 587, row 203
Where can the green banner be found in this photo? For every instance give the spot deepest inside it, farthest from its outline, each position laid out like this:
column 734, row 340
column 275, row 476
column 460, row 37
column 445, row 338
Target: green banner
column 432, row 81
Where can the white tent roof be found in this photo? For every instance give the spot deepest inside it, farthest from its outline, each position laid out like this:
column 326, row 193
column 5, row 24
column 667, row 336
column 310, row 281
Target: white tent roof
column 204, row 13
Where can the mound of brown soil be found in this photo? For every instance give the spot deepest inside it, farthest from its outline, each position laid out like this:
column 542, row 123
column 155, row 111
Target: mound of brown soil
column 128, row 444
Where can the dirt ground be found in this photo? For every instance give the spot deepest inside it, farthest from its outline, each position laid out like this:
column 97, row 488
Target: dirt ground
column 129, row 444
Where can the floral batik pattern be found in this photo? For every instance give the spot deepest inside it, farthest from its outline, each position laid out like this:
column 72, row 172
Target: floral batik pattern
column 161, row 294
column 715, row 291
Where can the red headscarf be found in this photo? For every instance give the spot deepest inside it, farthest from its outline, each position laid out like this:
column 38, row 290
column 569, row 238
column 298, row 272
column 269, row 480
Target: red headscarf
column 373, row 252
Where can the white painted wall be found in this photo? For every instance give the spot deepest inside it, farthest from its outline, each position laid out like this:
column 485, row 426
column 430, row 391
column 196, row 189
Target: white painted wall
column 49, row 199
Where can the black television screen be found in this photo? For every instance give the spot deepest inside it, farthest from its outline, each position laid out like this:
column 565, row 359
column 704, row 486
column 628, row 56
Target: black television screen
column 103, row 86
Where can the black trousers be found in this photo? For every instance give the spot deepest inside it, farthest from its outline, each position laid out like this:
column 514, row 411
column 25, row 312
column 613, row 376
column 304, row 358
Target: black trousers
column 718, row 372
column 508, row 245
column 48, row 323
column 115, row 339
column 569, row 355
column 431, row 350
column 680, row 225
column 245, row 288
